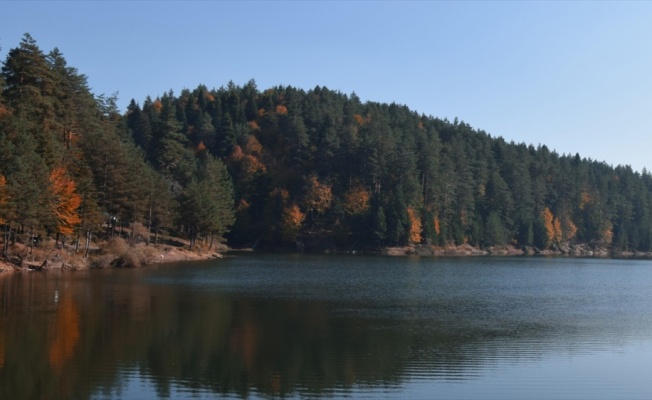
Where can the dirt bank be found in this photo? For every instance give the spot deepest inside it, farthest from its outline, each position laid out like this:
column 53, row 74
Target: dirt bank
column 114, row 253
column 465, row 250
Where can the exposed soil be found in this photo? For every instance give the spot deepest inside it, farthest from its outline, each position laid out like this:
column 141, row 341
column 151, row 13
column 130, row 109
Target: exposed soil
column 119, row 253
column 114, row 253
column 465, row 250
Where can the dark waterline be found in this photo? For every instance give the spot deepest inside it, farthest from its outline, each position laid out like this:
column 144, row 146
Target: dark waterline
column 299, row 326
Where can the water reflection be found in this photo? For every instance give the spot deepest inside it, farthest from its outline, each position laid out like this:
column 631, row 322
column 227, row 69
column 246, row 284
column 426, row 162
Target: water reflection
column 76, row 335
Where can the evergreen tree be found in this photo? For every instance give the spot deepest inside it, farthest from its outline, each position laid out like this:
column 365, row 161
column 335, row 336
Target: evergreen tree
column 207, row 202
column 29, row 91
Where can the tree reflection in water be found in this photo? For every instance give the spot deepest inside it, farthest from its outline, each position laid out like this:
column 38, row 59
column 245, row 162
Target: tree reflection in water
column 71, row 335
column 76, row 335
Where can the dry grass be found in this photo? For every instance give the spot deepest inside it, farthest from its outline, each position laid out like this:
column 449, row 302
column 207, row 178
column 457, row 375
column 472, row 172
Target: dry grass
column 117, row 252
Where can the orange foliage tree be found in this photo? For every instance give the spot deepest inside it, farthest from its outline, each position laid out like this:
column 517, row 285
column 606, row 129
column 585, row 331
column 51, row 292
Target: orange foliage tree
column 553, row 227
column 293, row 217
column 437, row 226
column 281, row 109
column 556, row 229
column 157, row 105
column 66, row 201
column 569, row 228
column 247, row 159
column 319, row 196
column 415, row 225
column 356, row 201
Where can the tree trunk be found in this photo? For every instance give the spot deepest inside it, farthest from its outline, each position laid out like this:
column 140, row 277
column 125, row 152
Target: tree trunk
column 31, row 240
column 7, row 234
column 87, row 245
column 149, row 221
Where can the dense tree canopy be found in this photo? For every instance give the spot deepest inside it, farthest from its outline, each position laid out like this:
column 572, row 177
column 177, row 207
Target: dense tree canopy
column 70, row 165
column 286, row 167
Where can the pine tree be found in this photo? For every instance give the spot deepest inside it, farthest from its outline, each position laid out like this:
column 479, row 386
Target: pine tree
column 207, row 202
column 29, row 91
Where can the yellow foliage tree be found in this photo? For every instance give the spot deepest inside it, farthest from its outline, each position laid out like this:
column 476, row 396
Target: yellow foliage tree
column 547, row 217
column 415, row 226
column 553, row 227
column 65, row 202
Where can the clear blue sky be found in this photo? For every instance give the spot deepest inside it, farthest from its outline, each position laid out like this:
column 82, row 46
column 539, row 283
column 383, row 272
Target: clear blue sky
column 575, row 76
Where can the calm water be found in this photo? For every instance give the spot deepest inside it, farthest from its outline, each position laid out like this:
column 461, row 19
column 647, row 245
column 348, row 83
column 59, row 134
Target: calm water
column 332, row 327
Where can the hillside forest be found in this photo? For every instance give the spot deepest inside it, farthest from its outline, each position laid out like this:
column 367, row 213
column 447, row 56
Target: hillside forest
column 285, row 168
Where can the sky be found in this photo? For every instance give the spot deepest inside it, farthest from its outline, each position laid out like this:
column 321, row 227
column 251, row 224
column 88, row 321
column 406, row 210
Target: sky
column 575, row 76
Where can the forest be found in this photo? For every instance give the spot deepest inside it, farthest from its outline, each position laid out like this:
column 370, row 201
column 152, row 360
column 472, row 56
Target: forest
column 287, row 169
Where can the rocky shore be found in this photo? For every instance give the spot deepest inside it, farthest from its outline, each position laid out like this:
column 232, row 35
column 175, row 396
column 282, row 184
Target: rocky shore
column 118, row 253
column 115, row 253
column 577, row 250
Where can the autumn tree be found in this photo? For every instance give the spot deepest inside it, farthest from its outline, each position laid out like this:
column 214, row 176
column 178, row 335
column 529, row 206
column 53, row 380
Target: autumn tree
column 293, row 217
column 568, row 228
column 352, row 168
column 415, row 226
column 356, row 200
column 552, row 227
column 245, row 160
column 65, row 201
column 319, row 196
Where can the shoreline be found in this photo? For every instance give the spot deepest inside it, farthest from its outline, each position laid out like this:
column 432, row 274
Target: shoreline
column 578, row 250
column 140, row 256
column 122, row 256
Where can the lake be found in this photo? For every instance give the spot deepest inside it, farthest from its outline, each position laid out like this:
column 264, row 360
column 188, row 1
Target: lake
column 315, row 326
